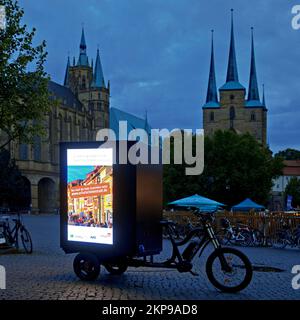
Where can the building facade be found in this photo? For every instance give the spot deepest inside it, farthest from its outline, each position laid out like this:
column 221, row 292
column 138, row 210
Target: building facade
column 291, row 170
column 83, row 109
column 234, row 109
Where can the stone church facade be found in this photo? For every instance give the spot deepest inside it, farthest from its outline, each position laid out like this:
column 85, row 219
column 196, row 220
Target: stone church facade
column 233, row 109
column 83, row 109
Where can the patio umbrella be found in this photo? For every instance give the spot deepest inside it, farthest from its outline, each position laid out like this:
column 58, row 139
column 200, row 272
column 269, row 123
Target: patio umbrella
column 204, row 204
column 247, row 205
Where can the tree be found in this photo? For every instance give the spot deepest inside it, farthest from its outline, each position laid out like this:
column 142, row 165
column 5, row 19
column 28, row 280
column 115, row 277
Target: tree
column 293, row 189
column 24, row 96
column 289, row 154
column 13, row 190
column 236, row 167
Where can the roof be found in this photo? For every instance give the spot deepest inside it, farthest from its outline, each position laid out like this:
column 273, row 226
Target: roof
column 292, row 168
column 98, row 81
column 211, row 105
column 247, row 205
column 133, row 122
column 65, row 94
column 254, row 104
column 202, row 203
column 232, row 85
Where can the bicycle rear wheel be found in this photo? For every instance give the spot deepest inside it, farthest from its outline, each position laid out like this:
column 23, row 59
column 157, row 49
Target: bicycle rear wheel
column 26, row 240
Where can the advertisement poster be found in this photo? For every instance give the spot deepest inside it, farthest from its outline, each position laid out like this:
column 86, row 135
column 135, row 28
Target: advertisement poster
column 90, row 195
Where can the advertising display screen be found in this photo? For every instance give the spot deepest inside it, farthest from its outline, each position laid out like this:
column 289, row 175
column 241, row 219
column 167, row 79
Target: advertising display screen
column 90, row 195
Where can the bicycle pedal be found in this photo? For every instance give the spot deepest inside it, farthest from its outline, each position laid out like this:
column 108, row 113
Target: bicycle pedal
column 195, row 274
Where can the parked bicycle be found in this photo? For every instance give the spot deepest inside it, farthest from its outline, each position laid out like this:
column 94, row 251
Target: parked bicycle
column 11, row 235
column 238, row 235
column 287, row 237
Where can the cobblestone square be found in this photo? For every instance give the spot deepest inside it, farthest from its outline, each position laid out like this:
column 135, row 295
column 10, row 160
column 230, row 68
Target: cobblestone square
column 48, row 274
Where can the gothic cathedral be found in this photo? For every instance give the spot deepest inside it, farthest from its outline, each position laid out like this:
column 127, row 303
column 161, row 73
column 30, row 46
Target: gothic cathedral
column 234, row 110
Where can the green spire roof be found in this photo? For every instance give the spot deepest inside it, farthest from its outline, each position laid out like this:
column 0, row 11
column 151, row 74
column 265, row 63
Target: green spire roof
column 253, row 93
column 66, row 81
column 98, row 81
column 212, row 95
column 83, row 58
column 232, row 78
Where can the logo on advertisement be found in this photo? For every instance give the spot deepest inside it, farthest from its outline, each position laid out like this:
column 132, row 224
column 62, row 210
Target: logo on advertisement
column 2, row 278
column 296, row 278
column 296, row 18
column 2, row 18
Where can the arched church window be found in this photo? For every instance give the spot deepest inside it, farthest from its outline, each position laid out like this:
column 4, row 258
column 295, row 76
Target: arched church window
column 253, row 116
column 232, row 117
column 212, row 116
column 232, row 113
column 83, row 82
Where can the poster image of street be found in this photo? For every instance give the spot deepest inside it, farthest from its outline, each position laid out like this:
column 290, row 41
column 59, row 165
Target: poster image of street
column 90, row 203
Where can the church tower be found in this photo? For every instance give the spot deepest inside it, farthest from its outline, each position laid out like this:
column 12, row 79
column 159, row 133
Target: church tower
column 88, row 84
column 234, row 111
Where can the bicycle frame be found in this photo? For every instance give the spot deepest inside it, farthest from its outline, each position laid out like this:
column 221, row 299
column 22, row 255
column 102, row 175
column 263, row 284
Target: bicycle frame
column 12, row 234
column 176, row 261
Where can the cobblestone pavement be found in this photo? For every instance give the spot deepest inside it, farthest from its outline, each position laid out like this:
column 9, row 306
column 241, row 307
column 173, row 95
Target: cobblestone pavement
column 48, row 274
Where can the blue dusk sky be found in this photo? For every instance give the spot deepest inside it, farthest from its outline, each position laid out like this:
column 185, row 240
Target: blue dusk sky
column 156, row 54
column 78, row 172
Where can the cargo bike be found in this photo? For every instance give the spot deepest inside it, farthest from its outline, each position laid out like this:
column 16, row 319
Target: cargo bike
column 133, row 238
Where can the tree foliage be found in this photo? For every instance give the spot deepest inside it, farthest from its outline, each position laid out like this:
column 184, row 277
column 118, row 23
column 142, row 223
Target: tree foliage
column 289, row 154
column 236, row 167
column 293, row 189
column 24, row 96
column 13, row 190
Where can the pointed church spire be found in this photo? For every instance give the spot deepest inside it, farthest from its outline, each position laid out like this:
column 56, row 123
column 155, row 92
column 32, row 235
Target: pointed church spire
column 98, row 81
column 253, row 93
column 83, row 58
column 66, row 81
column 232, row 72
column 232, row 78
column 212, row 95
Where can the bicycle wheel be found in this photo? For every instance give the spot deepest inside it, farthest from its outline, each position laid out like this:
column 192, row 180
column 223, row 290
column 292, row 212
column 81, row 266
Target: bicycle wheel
column 279, row 241
column 26, row 240
column 239, row 273
column 86, row 266
column 224, row 237
column 116, row 269
column 247, row 238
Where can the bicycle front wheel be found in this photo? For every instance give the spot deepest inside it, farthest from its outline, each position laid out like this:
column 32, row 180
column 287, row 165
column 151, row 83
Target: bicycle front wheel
column 229, row 270
column 26, row 240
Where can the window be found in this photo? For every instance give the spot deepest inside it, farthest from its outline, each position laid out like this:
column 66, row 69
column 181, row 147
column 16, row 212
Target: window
column 83, row 82
column 23, row 151
column 253, row 116
column 212, row 117
column 37, row 146
column 231, row 116
column 232, row 97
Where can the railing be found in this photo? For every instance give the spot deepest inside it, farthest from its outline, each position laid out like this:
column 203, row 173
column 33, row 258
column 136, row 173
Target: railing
column 269, row 223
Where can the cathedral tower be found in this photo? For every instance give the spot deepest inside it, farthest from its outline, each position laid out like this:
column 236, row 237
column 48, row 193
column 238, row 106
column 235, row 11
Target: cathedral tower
column 88, row 84
column 235, row 111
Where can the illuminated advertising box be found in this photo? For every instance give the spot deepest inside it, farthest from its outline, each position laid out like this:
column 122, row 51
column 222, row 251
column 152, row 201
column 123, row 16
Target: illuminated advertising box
column 106, row 207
